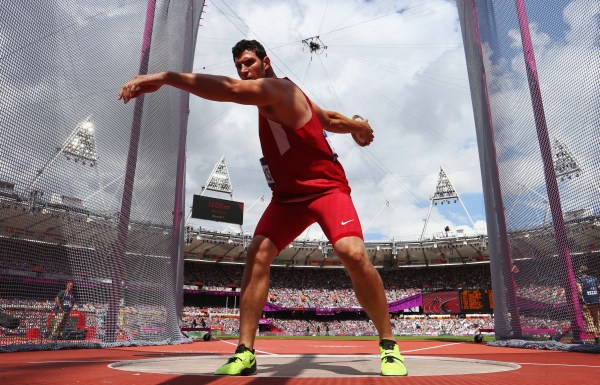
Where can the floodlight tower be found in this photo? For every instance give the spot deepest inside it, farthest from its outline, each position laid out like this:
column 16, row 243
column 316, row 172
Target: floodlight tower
column 219, row 179
column 80, row 145
column 444, row 192
column 565, row 164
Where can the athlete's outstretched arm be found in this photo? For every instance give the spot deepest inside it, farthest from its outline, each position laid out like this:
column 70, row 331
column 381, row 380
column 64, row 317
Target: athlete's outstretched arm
column 333, row 121
column 260, row 92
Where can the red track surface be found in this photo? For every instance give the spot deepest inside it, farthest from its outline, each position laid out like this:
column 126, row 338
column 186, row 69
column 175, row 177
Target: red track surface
column 89, row 366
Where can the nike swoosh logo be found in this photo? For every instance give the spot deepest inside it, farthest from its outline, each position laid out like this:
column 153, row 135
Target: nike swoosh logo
column 344, row 223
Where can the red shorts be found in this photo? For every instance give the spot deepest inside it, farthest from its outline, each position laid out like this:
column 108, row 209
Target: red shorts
column 335, row 213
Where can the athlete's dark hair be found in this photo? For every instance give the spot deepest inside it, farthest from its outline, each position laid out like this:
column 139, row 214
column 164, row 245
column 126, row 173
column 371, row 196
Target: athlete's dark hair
column 249, row 45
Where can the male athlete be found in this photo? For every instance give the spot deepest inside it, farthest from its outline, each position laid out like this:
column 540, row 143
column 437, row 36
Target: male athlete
column 308, row 183
column 63, row 303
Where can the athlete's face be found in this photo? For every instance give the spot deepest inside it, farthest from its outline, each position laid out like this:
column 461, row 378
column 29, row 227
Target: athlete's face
column 249, row 66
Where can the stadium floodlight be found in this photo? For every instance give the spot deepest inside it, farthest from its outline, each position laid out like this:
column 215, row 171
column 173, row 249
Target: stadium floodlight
column 444, row 192
column 219, row 179
column 80, row 144
column 565, row 164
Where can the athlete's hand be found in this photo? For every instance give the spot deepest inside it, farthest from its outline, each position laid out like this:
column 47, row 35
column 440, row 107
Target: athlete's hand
column 141, row 84
column 364, row 136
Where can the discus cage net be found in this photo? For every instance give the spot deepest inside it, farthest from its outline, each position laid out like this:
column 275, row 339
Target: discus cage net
column 533, row 70
column 91, row 190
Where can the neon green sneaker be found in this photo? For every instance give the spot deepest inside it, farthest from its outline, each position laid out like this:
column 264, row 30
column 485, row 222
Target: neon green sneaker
column 392, row 362
column 242, row 363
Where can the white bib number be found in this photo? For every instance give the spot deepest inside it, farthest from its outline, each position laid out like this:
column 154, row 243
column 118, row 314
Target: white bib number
column 267, row 171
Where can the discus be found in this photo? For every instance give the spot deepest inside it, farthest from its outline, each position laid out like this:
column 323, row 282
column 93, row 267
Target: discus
column 358, row 138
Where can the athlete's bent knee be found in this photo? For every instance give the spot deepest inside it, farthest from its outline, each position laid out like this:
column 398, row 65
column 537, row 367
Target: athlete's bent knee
column 355, row 260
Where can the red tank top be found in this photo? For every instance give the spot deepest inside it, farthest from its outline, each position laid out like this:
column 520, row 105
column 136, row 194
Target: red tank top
column 299, row 163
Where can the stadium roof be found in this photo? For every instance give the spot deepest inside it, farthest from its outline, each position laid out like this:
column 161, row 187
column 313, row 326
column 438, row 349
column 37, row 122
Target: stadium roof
column 65, row 223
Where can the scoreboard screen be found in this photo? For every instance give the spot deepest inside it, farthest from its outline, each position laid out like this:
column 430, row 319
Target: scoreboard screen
column 219, row 210
column 476, row 301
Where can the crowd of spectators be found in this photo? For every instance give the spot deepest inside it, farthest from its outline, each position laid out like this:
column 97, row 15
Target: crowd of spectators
column 400, row 326
column 37, row 315
column 304, row 288
column 545, row 294
column 295, row 288
column 322, row 287
column 324, row 327
column 529, row 322
column 221, row 318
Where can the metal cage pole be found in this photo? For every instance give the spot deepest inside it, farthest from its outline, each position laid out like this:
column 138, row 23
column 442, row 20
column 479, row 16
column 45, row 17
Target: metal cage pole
column 562, row 241
column 118, row 284
column 493, row 191
column 177, row 236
